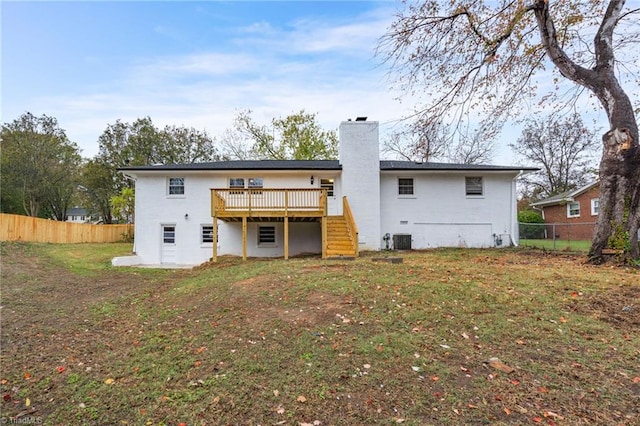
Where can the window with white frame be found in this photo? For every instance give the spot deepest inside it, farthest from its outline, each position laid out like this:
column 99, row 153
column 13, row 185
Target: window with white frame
column 236, row 183
column 176, row 186
column 255, row 182
column 328, row 185
column 595, row 206
column 266, row 235
column 206, row 234
column 573, row 209
column 473, row 186
column 405, row 186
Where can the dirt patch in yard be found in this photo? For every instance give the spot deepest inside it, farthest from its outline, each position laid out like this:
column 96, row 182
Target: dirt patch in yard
column 619, row 306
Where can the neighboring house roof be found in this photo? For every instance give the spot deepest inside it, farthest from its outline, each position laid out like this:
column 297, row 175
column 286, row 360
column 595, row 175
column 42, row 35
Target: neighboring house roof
column 318, row 165
column 77, row 211
column 565, row 197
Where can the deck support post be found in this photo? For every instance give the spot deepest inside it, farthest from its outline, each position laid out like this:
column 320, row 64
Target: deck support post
column 286, row 237
column 323, row 224
column 215, row 239
column 244, row 238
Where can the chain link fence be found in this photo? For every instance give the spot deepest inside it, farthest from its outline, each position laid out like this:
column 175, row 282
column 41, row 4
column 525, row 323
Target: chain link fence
column 557, row 236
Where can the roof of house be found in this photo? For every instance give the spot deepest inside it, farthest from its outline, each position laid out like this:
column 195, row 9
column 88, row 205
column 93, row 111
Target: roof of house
column 77, row 211
column 410, row 165
column 245, row 165
column 564, row 197
column 385, row 165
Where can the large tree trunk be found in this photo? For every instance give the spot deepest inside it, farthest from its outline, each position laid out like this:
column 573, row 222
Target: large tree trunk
column 619, row 213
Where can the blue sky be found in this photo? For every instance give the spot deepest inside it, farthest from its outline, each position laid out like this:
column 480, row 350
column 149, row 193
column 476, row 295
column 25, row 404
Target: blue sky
column 196, row 64
column 193, row 63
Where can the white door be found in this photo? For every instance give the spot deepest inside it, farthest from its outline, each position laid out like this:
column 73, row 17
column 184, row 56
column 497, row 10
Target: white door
column 332, row 202
column 168, row 254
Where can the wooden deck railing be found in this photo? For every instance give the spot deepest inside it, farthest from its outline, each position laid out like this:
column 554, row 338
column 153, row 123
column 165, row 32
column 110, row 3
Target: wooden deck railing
column 257, row 201
column 351, row 224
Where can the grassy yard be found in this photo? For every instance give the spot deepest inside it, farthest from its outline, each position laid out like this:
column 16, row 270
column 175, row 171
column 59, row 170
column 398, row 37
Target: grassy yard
column 562, row 245
column 313, row 342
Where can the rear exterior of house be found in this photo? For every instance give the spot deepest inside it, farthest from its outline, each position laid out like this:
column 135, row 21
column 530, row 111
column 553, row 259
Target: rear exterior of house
column 325, row 207
column 571, row 215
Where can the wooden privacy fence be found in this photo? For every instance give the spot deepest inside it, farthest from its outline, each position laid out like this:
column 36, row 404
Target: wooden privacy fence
column 25, row 228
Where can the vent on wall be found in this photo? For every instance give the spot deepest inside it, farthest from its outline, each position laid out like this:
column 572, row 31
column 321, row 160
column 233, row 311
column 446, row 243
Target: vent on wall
column 402, row 241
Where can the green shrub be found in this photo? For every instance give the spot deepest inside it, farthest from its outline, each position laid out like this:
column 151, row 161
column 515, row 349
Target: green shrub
column 526, row 217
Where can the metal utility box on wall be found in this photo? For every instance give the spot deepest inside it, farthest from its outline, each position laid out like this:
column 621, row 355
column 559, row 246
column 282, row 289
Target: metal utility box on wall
column 402, row 241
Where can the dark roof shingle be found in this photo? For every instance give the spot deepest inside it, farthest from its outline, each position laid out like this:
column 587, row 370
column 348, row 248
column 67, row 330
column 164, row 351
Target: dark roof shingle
column 385, row 165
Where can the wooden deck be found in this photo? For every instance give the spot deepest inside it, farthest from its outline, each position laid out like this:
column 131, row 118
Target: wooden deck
column 297, row 204
column 339, row 237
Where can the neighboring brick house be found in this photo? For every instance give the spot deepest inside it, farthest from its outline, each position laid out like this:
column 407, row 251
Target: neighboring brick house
column 574, row 213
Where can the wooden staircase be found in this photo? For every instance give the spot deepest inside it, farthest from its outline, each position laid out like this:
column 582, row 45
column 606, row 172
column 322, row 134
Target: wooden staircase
column 339, row 240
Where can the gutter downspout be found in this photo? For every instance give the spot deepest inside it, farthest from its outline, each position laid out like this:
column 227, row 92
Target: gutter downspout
column 515, row 227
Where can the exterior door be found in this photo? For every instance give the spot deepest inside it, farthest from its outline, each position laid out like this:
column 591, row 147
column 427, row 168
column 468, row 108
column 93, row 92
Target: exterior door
column 332, row 202
column 168, row 254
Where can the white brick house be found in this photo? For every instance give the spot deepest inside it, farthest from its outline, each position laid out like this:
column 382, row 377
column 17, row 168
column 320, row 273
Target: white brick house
column 330, row 207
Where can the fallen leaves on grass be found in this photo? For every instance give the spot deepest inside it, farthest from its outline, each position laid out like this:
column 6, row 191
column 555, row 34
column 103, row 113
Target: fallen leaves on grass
column 301, row 399
column 109, row 381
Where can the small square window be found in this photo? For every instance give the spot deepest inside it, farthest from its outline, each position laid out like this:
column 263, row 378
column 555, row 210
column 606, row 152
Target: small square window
column 176, row 186
column 573, row 209
column 266, row 235
column 595, row 206
column 405, row 186
column 206, row 234
column 473, row 186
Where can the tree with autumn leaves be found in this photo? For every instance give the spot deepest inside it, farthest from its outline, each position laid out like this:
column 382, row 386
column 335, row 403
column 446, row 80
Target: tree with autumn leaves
column 489, row 60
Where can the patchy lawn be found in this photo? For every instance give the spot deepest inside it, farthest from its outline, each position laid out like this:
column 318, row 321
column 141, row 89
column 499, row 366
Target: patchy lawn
column 308, row 341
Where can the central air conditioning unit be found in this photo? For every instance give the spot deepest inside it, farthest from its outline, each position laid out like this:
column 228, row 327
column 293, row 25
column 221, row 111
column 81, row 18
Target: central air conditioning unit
column 402, row 241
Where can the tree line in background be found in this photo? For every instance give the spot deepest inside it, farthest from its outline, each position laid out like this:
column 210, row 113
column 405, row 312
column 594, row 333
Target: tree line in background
column 44, row 175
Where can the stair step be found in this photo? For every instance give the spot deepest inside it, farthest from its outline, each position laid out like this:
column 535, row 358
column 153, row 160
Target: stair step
column 339, row 243
column 342, row 243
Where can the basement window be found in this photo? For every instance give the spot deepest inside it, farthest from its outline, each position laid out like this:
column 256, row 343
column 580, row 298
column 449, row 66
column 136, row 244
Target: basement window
column 206, row 234
column 266, row 235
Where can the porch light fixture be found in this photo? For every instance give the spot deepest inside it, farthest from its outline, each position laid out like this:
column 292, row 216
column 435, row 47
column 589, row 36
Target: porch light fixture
column 186, row 216
column 311, row 180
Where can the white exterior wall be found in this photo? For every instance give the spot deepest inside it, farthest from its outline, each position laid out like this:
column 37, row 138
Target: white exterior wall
column 304, row 237
column 154, row 208
column 360, row 160
column 439, row 214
